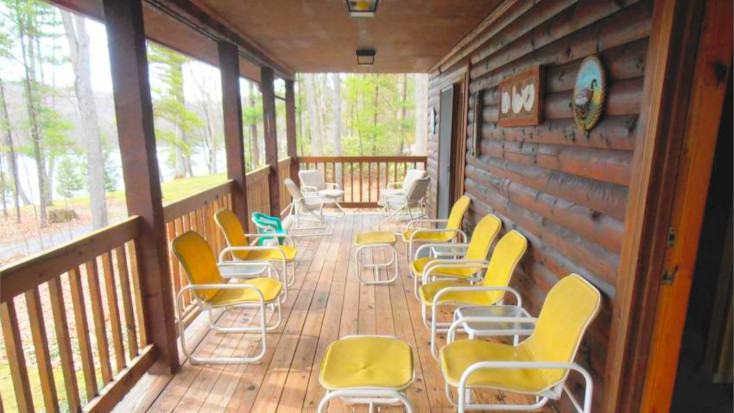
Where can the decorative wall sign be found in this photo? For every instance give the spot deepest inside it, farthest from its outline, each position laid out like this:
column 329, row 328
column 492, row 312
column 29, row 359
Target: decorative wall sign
column 478, row 98
column 521, row 98
column 432, row 121
column 589, row 93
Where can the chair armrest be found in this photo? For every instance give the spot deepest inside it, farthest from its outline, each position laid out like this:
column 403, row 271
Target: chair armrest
column 457, row 323
column 478, row 288
column 434, row 265
column 332, row 185
column 227, row 286
column 394, row 185
column 423, row 221
column 231, row 250
column 437, row 230
column 273, row 235
column 309, row 188
column 440, row 246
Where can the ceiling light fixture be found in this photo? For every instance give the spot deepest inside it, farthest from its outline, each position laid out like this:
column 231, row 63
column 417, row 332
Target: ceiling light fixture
column 366, row 57
column 362, row 8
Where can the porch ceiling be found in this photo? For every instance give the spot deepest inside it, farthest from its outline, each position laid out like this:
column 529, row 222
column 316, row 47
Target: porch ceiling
column 319, row 36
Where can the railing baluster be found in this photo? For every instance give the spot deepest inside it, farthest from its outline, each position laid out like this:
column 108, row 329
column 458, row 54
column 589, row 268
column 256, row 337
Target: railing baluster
column 369, row 182
column 351, row 183
column 99, row 323
column 16, row 358
column 82, row 332
column 114, row 311
column 40, row 344
column 61, row 327
column 139, row 309
column 379, row 184
column 127, row 302
column 361, row 178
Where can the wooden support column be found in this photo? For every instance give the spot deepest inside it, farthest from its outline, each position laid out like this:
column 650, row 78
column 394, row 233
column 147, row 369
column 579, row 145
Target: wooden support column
column 229, row 69
column 290, row 122
column 134, row 110
column 271, row 137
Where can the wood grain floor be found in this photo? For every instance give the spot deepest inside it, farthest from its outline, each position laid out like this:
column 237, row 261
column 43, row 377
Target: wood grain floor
column 326, row 302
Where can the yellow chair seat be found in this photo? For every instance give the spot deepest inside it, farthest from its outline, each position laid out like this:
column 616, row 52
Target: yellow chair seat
column 269, row 287
column 270, row 255
column 375, row 237
column 428, row 291
column 459, row 355
column 354, row 362
column 418, row 265
column 429, row 236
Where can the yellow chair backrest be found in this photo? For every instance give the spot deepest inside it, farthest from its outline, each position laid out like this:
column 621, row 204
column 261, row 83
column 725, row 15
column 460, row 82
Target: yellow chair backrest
column 198, row 261
column 571, row 305
column 457, row 213
column 484, row 234
column 505, row 257
column 232, row 229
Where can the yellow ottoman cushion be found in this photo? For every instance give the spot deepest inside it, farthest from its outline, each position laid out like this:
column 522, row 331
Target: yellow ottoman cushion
column 375, row 362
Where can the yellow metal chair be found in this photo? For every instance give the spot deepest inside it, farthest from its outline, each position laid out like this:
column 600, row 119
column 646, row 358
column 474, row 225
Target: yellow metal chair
column 212, row 291
column 539, row 365
column 490, row 291
column 239, row 249
column 468, row 261
column 415, row 234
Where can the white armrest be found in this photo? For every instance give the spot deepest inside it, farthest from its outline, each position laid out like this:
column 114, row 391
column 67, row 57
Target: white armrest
column 440, row 246
column 394, row 185
column 424, row 220
column 231, row 250
column 332, row 185
column 273, row 235
column 308, row 188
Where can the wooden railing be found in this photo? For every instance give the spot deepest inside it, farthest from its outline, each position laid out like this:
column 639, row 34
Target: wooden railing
column 362, row 177
column 258, row 191
column 284, row 171
column 89, row 291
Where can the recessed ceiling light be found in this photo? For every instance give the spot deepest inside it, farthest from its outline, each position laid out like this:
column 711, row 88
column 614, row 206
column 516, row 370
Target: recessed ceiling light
column 362, row 8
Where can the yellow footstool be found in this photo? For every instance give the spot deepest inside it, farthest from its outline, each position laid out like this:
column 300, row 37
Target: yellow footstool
column 371, row 240
column 367, row 370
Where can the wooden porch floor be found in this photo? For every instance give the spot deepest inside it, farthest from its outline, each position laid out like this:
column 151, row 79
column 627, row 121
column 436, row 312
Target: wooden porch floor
column 325, row 303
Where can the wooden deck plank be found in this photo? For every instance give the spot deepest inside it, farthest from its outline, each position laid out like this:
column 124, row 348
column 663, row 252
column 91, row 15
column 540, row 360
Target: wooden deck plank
column 326, row 303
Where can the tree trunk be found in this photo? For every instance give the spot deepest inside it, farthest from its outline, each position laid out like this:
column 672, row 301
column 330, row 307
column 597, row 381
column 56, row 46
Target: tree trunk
column 374, row 120
column 76, row 35
column 421, row 113
column 254, row 140
column 314, row 118
column 10, row 153
column 28, row 57
column 336, row 127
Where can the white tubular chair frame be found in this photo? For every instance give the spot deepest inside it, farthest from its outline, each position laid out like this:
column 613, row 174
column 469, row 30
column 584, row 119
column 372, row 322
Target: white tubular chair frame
column 369, row 395
column 376, row 266
column 439, row 264
column 437, row 327
column 268, row 264
column 396, row 205
column 260, row 305
column 326, row 200
column 418, row 230
column 553, row 392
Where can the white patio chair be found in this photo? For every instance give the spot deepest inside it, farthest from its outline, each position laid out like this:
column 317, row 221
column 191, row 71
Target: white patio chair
column 406, row 204
column 398, row 188
column 306, row 212
column 313, row 182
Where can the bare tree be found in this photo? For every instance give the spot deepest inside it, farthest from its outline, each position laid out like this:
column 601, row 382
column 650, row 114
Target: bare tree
column 10, row 158
column 314, row 117
column 421, row 113
column 76, row 34
column 254, row 139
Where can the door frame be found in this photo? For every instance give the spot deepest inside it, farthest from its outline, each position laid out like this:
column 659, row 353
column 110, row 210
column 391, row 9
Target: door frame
column 459, row 79
column 687, row 68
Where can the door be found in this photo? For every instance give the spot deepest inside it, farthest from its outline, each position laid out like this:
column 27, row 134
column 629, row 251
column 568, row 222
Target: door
column 445, row 150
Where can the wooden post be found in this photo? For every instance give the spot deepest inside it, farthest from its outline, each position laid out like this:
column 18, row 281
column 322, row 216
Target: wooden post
column 134, row 110
column 290, row 122
column 271, row 137
column 233, row 137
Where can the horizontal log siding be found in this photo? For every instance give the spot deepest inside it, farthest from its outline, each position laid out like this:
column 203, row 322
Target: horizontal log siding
column 565, row 189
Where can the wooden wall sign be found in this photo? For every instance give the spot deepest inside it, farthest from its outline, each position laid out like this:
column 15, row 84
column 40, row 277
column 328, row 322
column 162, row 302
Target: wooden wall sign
column 521, row 98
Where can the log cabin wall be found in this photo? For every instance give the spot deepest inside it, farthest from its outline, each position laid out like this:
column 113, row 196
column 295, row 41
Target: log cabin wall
column 564, row 189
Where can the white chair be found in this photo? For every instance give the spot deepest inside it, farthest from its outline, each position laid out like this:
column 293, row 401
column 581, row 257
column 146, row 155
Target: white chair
column 313, row 182
column 306, row 211
column 406, row 204
column 398, row 188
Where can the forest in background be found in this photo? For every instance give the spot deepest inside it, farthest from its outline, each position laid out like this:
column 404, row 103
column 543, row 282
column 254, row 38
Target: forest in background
column 60, row 167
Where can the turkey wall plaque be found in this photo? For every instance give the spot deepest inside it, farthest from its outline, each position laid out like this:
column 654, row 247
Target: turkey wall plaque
column 521, row 98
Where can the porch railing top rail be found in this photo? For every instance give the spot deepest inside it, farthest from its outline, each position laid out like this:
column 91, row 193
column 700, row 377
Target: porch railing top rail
column 395, row 158
column 30, row 272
